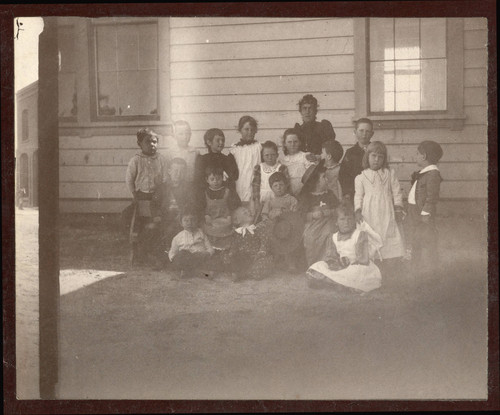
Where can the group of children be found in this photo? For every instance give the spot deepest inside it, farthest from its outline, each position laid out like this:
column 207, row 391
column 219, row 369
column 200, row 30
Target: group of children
column 337, row 217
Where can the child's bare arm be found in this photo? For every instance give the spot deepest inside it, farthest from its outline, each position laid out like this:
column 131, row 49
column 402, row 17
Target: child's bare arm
column 362, row 252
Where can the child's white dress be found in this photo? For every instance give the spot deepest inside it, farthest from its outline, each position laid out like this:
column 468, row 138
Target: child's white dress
column 247, row 156
column 360, row 277
column 376, row 193
column 297, row 165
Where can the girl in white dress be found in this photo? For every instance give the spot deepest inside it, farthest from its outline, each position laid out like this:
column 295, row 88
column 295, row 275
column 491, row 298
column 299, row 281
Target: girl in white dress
column 296, row 160
column 246, row 152
column 378, row 200
column 349, row 256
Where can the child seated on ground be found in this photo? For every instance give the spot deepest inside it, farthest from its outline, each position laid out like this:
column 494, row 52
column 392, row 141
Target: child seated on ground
column 214, row 140
column 217, row 202
column 248, row 255
column 261, row 190
column 294, row 158
column 422, row 201
column 145, row 177
column 282, row 200
column 178, row 196
column 182, row 149
column 317, row 203
column 332, row 153
column 190, row 250
column 348, row 261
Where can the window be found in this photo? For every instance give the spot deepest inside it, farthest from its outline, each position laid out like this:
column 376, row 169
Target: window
column 125, row 70
column 408, row 70
column 68, row 107
column 25, row 134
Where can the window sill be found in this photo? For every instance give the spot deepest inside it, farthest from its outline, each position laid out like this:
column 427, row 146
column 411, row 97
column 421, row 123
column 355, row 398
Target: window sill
column 415, row 121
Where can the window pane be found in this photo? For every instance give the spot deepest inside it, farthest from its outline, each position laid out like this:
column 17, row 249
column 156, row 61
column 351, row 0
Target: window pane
column 66, row 44
column 67, row 95
column 381, row 39
column 148, row 47
column 137, row 92
column 382, row 86
column 408, row 85
column 433, row 38
column 407, row 39
column 434, row 85
column 106, row 48
column 128, row 51
column 107, row 93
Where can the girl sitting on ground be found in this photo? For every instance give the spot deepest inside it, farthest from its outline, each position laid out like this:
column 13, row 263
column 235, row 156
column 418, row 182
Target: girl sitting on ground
column 348, row 261
column 261, row 190
column 214, row 140
column 317, row 203
column 294, row 158
column 190, row 249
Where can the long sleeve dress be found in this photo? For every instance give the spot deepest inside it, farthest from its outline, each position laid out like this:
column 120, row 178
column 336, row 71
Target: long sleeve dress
column 376, row 194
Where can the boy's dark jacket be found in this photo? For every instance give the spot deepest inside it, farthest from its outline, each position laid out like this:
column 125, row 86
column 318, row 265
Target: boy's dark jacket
column 427, row 190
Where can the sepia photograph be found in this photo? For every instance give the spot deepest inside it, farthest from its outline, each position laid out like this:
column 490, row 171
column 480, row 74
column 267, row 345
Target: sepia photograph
column 252, row 208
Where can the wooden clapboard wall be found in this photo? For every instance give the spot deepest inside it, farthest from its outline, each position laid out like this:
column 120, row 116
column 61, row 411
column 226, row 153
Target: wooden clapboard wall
column 223, row 68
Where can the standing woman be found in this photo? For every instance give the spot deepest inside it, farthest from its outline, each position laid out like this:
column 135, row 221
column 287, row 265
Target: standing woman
column 315, row 133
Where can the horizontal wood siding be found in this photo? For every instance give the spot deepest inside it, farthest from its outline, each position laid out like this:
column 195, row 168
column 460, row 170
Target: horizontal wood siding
column 224, row 68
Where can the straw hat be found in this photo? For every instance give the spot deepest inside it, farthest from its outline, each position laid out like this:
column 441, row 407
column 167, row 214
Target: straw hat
column 286, row 232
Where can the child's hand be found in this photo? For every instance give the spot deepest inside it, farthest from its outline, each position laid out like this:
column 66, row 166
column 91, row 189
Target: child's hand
column 359, row 216
column 317, row 214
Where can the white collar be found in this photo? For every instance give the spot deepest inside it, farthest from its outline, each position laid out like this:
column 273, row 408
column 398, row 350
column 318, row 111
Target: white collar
column 429, row 168
column 370, row 174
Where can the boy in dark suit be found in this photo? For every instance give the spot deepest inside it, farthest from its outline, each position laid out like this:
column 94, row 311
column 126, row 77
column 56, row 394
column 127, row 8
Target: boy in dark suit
column 422, row 201
column 351, row 163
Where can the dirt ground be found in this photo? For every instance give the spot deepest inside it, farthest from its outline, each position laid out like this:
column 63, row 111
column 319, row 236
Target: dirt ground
column 142, row 334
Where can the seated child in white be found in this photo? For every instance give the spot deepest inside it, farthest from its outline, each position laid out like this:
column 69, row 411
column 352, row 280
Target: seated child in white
column 190, row 249
column 349, row 257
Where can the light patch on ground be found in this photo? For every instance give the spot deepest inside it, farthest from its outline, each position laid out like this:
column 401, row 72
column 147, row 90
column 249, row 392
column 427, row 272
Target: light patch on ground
column 73, row 279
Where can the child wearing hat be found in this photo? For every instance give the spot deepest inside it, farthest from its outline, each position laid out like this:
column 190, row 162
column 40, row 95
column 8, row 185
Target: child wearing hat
column 249, row 255
column 145, row 176
column 317, row 204
column 422, row 201
column 348, row 261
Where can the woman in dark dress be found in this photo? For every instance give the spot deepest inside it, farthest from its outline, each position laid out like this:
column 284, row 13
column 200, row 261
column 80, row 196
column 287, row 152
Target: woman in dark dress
column 314, row 132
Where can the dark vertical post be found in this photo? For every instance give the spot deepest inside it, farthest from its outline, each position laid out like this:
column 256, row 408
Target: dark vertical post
column 48, row 233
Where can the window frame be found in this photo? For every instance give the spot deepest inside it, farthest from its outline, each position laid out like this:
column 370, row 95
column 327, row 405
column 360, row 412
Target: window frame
column 25, row 125
column 452, row 118
column 69, row 118
column 92, row 24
